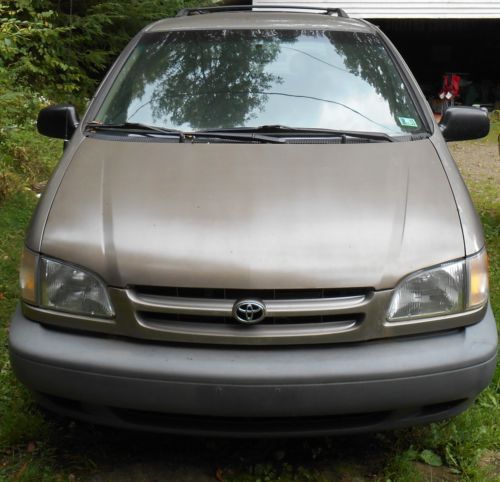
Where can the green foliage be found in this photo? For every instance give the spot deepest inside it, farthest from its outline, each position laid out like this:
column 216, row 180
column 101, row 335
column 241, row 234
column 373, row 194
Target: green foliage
column 33, row 48
column 430, row 458
column 56, row 51
column 63, row 47
column 25, row 157
column 102, row 28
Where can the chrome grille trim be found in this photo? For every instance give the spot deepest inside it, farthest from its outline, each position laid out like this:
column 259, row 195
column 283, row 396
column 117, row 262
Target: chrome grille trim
column 185, row 306
column 325, row 306
column 256, row 334
column 238, row 293
column 274, row 308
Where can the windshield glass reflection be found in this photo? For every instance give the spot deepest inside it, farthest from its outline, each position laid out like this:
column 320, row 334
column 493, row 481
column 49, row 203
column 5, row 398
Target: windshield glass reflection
column 248, row 78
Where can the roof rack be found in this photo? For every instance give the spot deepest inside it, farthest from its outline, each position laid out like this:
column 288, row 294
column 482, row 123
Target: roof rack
column 228, row 8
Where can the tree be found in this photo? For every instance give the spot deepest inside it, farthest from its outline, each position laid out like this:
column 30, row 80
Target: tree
column 66, row 46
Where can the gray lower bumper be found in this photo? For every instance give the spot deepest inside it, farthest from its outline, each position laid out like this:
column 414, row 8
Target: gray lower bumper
column 399, row 377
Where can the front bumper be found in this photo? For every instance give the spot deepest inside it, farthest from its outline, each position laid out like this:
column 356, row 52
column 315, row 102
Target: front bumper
column 223, row 390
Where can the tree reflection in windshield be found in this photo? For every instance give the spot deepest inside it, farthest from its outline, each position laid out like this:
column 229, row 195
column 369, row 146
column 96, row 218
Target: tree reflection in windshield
column 199, row 81
column 193, row 80
column 371, row 63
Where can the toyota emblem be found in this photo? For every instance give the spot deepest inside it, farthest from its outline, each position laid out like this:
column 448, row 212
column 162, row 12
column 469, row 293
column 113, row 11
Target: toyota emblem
column 249, row 311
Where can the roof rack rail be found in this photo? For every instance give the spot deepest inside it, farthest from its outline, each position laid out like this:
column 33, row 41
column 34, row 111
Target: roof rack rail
column 228, row 8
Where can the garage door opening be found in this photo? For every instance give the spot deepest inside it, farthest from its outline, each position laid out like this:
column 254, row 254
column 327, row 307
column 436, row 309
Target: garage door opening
column 468, row 49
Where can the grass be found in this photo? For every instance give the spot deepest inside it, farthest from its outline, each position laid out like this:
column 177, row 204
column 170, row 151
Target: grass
column 36, row 448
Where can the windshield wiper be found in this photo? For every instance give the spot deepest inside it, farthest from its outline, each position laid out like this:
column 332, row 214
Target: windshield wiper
column 282, row 129
column 137, row 127
column 237, row 135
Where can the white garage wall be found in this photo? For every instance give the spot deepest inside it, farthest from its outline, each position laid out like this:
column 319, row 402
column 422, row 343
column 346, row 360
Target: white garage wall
column 405, row 8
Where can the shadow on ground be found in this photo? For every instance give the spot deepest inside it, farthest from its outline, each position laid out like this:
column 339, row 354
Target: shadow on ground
column 101, row 454
column 119, row 455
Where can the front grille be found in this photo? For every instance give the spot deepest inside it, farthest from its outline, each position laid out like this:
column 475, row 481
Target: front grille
column 205, row 315
column 163, row 305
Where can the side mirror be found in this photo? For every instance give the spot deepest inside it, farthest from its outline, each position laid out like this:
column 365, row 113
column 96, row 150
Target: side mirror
column 59, row 121
column 463, row 123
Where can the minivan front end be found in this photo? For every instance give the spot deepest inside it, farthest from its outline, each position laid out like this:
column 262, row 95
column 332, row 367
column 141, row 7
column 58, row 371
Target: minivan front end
column 261, row 255
column 138, row 333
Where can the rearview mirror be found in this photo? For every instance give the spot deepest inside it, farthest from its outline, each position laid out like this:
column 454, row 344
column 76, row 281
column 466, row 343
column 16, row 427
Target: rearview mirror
column 59, row 121
column 463, row 123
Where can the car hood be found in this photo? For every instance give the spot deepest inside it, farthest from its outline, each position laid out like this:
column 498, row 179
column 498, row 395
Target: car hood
column 264, row 216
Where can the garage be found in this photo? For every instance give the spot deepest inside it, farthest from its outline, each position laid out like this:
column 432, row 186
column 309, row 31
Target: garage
column 451, row 46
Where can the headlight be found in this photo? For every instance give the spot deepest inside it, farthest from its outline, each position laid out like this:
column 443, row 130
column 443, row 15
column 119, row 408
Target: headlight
column 446, row 289
column 60, row 286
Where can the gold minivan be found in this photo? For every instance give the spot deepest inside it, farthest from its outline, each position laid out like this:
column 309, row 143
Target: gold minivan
column 256, row 228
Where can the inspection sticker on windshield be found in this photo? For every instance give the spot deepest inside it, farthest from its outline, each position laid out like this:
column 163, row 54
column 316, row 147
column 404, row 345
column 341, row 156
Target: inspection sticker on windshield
column 407, row 121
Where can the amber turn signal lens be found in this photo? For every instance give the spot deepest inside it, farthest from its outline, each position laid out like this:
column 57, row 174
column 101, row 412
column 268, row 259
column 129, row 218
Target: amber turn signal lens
column 27, row 275
column 477, row 271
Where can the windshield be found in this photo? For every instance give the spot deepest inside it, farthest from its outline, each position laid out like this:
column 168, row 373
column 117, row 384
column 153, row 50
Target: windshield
column 215, row 79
